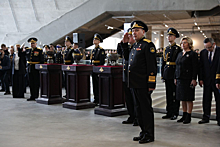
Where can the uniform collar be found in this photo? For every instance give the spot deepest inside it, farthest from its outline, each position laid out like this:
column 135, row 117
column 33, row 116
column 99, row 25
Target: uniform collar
column 140, row 39
column 97, row 47
column 172, row 44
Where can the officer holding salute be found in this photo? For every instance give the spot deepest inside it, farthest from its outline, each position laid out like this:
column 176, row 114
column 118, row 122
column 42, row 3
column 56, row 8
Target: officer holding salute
column 34, row 55
column 142, row 70
column 97, row 58
column 68, row 58
column 127, row 44
column 167, row 73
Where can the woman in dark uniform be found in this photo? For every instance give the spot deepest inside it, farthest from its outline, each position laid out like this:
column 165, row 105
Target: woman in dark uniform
column 185, row 78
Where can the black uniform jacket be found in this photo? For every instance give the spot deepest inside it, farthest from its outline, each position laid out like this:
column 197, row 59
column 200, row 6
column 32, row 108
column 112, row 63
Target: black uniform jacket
column 59, row 57
column 98, row 56
column 208, row 71
column 218, row 72
column 33, row 56
column 170, row 54
column 187, row 66
column 142, row 64
column 120, row 49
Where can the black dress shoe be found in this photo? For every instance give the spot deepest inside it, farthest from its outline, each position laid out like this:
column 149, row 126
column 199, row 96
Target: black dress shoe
column 146, row 140
column 166, row 117
column 137, row 138
column 174, row 117
column 203, row 121
column 7, row 93
column 218, row 123
column 30, row 99
column 135, row 123
column 127, row 122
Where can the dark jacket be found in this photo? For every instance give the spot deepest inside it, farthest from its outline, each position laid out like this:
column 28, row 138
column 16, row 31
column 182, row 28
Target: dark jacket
column 59, row 57
column 142, row 68
column 68, row 55
column 187, row 66
column 170, row 54
column 120, row 48
column 98, row 56
column 5, row 63
column 208, row 71
column 218, row 72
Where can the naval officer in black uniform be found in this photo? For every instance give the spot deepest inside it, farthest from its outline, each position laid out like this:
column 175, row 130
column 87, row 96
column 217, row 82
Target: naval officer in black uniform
column 167, row 73
column 58, row 55
column 97, row 58
column 142, row 70
column 34, row 55
column 129, row 41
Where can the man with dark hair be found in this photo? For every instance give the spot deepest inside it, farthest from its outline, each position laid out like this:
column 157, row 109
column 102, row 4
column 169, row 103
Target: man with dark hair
column 142, row 71
column 209, row 59
column 5, row 65
column 167, row 73
column 5, row 49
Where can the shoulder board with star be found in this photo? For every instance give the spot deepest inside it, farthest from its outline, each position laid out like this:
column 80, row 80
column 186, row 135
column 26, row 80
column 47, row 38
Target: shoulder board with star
column 178, row 45
column 39, row 48
column 147, row 40
column 100, row 47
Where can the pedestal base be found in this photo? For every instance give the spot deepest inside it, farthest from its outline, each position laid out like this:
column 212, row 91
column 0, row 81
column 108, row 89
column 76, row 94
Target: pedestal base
column 49, row 101
column 111, row 112
column 78, row 106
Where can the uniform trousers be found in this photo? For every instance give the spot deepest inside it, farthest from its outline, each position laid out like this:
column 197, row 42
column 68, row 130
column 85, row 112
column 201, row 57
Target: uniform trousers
column 129, row 102
column 144, row 110
column 95, row 82
column 34, row 81
column 172, row 104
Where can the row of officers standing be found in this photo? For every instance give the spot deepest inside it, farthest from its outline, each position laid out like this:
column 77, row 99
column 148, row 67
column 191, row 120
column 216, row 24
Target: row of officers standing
column 180, row 70
column 24, row 60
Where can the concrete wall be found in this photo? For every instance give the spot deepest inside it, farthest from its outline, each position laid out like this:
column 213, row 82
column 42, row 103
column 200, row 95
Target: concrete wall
column 20, row 18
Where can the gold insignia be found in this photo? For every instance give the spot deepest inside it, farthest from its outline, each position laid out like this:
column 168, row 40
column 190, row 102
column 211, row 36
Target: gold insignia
column 41, row 66
column 217, row 76
column 32, row 41
column 102, row 53
column 152, row 50
column 136, row 26
column 101, row 69
column 152, row 79
column 147, row 40
column 152, row 73
column 68, row 68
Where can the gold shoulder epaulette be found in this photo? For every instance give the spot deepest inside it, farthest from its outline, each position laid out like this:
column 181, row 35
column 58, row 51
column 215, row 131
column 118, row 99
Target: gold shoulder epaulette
column 39, row 48
column 71, row 48
column 147, row 40
column 178, row 45
column 100, row 47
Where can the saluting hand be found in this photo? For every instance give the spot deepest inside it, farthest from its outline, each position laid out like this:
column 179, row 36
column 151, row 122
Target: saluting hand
column 125, row 38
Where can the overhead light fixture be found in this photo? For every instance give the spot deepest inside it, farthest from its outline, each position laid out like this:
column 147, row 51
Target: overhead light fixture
column 198, row 28
column 201, row 31
column 166, row 25
column 155, row 38
column 182, row 34
column 161, row 35
column 155, row 33
column 203, row 34
column 195, row 23
column 109, row 27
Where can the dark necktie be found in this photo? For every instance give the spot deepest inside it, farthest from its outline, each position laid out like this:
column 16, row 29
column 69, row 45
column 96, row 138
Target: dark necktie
column 210, row 57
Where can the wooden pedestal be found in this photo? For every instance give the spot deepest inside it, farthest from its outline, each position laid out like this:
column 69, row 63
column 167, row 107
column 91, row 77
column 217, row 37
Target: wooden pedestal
column 111, row 95
column 50, row 84
column 78, row 86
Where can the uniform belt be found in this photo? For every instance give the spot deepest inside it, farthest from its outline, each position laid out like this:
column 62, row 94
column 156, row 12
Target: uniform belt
column 170, row 63
column 29, row 62
column 76, row 54
column 67, row 61
column 95, row 61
